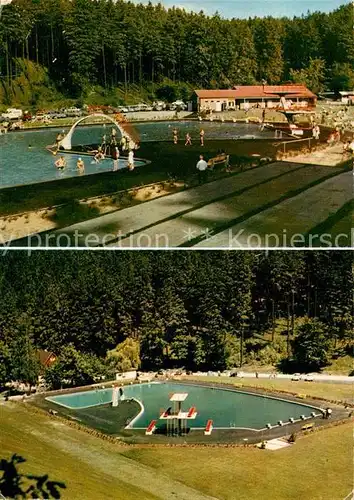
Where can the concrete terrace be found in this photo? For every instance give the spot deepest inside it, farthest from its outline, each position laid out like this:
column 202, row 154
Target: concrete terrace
column 282, row 199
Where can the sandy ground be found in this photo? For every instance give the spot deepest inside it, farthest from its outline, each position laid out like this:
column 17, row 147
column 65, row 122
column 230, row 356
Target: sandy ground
column 330, row 156
column 18, row 226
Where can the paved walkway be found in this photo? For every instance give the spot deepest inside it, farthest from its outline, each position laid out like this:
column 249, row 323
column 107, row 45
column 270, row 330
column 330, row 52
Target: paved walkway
column 203, row 222
column 317, row 377
column 187, row 217
column 331, row 156
column 123, row 222
column 276, row 444
column 285, row 223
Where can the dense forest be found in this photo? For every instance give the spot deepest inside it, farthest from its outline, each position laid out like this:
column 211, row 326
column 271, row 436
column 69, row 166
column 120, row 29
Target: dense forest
column 76, row 45
column 105, row 311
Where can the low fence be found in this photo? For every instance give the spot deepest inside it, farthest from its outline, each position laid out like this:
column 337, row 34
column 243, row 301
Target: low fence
column 307, row 141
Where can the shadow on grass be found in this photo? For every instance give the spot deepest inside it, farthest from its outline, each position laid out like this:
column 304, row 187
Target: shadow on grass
column 72, row 213
column 13, row 484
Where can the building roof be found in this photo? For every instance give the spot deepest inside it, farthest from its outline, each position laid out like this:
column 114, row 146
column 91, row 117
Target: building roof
column 257, row 91
column 217, row 94
column 45, row 357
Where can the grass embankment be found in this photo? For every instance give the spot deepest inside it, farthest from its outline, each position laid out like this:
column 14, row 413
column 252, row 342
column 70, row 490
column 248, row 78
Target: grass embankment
column 166, row 160
column 65, row 454
column 316, row 467
column 327, row 390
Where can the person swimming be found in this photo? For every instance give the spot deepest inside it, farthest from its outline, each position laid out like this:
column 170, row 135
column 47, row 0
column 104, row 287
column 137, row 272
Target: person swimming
column 80, row 165
column 99, row 156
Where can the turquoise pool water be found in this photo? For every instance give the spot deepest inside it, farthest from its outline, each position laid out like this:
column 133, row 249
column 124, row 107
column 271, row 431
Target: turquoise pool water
column 24, row 159
column 226, row 408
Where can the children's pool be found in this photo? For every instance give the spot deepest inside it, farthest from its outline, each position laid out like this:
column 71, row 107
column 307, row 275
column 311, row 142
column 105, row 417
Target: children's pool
column 24, row 159
column 227, row 408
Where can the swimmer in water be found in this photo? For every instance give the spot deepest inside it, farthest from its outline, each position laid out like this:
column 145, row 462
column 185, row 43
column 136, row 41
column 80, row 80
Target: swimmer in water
column 80, row 165
column 60, row 163
column 99, row 156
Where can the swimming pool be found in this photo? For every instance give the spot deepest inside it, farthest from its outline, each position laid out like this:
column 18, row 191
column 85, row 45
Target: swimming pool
column 24, row 159
column 227, row 408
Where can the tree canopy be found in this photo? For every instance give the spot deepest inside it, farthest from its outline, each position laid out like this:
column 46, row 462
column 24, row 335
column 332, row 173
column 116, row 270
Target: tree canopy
column 83, row 43
column 104, row 311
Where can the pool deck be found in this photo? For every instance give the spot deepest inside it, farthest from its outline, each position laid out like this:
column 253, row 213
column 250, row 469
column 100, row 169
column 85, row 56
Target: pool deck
column 330, row 156
column 266, row 200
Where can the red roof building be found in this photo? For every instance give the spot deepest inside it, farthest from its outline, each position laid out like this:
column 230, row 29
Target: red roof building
column 263, row 96
column 45, row 358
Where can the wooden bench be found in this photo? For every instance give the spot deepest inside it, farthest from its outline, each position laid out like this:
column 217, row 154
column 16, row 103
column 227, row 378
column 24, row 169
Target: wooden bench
column 208, row 428
column 218, row 160
column 151, row 428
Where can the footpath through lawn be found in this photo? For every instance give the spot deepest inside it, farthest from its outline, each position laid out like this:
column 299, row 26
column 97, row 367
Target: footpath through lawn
column 90, row 467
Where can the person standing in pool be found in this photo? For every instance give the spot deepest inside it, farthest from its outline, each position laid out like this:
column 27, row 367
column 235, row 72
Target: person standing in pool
column 188, row 139
column 131, row 165
column 201, row 135
column 123, row 142
column 80, row 165
column 115, row 156
column 175, row 136
column 60, row 163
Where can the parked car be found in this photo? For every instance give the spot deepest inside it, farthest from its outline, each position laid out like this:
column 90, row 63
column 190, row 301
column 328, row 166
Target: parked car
column 41, row 116
column 73, row 111
column 12, row 114
column 159, row 106
column 296, row 377
column 122, row 109
column 309, row 377
column 144, row 107
column 26, row 116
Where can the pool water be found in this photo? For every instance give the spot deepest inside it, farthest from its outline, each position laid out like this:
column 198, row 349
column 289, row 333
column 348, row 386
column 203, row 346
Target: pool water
column 24, row 159
column 227, row 408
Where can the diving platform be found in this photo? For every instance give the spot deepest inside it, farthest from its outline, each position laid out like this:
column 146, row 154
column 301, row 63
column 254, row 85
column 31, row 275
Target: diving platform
column 175, row 417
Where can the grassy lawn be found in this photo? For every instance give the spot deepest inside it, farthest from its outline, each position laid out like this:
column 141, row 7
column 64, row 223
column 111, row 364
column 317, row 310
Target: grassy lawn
column 327, row 390
column 317, row 467
column 48, row 448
